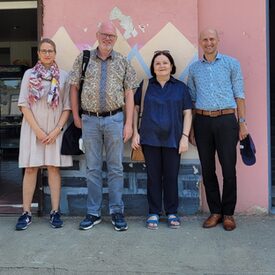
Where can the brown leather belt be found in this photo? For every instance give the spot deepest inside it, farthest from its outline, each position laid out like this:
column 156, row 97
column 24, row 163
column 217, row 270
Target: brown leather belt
column 215, row 113
column 104, row 114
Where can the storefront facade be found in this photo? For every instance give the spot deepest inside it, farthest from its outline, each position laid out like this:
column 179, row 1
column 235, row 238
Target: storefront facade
column 146, row 26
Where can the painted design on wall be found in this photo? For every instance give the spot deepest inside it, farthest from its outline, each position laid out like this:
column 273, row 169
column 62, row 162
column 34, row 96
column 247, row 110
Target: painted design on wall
column 125, row 22
column 183, row 51
column 140, row 33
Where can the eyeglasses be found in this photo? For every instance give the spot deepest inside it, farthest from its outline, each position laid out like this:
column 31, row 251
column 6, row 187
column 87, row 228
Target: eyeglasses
column 47, row 51
column 160, row 52
column 107, row 35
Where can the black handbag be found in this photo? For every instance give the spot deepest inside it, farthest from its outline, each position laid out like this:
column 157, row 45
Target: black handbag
column 70, row 141
column 71, row 136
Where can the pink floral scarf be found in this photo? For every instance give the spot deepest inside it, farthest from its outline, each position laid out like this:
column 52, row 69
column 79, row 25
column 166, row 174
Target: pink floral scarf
column 36, row 89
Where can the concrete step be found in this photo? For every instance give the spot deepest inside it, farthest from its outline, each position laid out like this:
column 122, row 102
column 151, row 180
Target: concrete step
column 74, row 190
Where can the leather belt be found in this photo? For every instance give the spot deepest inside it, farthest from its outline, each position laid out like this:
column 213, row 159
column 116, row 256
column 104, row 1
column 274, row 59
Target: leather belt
column 215, row 113
column 104, row 114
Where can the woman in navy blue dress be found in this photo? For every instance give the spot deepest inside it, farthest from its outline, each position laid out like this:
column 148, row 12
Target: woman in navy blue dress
column 163, row 135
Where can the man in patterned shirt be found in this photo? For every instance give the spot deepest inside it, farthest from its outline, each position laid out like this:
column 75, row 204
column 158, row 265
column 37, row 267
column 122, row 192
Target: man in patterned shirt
column 107, row 90
column 216, row 88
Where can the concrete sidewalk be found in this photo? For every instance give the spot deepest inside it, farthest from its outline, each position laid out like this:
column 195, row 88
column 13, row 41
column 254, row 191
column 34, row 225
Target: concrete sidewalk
column 250, row 249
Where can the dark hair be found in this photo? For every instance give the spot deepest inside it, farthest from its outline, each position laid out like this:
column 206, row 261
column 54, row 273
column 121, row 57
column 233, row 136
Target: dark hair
column 168, row 55
column 46, row 40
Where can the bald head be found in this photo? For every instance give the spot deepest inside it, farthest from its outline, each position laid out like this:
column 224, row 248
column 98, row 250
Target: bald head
column 209, row 32
column 209, row 40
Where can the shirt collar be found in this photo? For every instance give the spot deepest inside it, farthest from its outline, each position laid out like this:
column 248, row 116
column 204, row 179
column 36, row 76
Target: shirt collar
column 218, row 56
column 95, row 54
column 172, row 79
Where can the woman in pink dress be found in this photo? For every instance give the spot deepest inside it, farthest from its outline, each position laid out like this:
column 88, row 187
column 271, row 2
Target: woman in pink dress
column 44, row 102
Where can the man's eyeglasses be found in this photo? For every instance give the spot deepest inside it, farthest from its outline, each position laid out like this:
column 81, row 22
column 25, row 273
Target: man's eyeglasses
column 160, row 52
column 47, row 51
column 107, row 35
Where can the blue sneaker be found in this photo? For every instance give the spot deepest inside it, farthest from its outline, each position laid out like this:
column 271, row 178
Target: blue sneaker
column 23, row 221
column 55, row 220
column 119, row 222
column 89, row 222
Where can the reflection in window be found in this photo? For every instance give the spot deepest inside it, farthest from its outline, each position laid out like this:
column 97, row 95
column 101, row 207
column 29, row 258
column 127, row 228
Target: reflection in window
column 9, row 92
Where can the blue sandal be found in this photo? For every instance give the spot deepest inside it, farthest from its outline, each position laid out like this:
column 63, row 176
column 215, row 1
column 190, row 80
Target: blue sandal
column 171, row 219
column 152, row 221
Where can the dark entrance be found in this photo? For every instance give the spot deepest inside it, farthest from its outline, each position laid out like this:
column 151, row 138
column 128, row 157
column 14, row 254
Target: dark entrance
column 18, row 39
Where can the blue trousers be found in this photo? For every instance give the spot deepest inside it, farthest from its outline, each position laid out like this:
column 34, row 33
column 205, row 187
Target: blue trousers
column 107, row 133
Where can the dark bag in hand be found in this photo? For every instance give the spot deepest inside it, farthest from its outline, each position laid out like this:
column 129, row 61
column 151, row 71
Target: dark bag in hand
column 70, row 142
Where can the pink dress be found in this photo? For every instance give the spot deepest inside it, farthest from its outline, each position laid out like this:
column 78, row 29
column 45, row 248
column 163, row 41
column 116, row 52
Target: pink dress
column 32, row 153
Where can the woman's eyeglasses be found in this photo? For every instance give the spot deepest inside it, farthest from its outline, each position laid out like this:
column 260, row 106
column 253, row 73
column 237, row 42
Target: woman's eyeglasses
column 47, row 51
column 160, row 52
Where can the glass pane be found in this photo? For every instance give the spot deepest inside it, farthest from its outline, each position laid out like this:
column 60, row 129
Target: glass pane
column 10, row 123
column 9, row 95
column 10, row 120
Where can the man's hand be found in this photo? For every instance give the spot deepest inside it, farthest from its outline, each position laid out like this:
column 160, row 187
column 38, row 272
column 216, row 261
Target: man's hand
column 243, row 131
column 77, row 122
column 127, row 132
column 192, row 137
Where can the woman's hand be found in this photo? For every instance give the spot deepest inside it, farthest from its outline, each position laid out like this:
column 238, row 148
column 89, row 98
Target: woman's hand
column 41, row 135
column 184, row 144
column 135, row 141
column 51, row 137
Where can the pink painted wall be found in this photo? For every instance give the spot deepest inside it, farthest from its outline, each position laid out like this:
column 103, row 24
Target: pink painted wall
column 241, row 25
column 77, row 15
column 242, row 29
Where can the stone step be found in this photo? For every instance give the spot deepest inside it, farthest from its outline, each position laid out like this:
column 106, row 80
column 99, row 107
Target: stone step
column 74, row 190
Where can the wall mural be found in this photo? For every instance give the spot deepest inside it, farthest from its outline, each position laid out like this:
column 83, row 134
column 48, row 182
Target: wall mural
column 143, row 27
column 137, row 41
column 152, row 26
column 183, row 51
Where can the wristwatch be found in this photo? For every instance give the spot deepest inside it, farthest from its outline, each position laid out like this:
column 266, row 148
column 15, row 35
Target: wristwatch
column 60, row 128
column 241, row 119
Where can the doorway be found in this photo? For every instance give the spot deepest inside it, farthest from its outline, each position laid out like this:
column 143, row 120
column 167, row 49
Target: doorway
column 18, row 42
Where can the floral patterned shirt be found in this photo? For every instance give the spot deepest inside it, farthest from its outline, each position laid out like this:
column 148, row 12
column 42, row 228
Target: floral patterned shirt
column 105, row 81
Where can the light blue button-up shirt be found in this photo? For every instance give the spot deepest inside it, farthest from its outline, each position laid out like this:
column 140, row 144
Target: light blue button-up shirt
column 215, row 85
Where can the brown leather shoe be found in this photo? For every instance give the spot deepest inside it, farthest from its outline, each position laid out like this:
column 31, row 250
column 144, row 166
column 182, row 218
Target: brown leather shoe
column 229, row 223
column 212, row 220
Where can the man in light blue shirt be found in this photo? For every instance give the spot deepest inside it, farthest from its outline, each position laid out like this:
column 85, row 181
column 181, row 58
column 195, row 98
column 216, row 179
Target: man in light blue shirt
column 216, row 88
